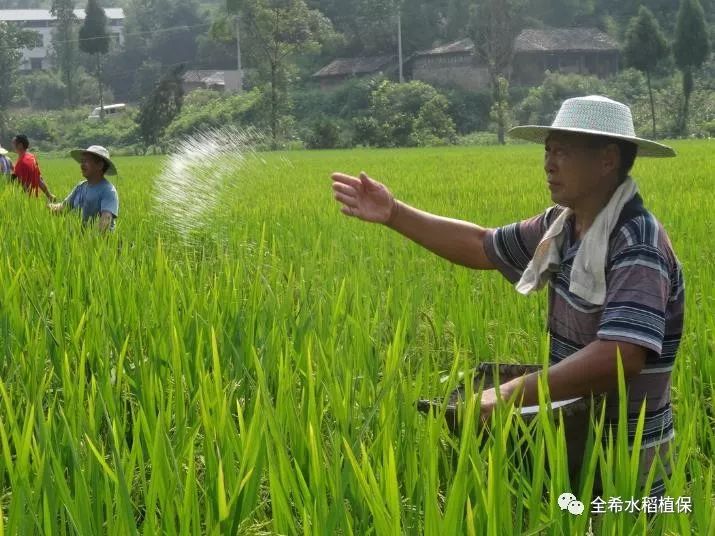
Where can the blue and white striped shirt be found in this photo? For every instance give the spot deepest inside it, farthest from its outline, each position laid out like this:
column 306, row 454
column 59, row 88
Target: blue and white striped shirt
column 644, row 305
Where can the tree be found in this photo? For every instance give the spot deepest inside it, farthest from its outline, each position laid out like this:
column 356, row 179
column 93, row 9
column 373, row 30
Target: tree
column 645, row 47
column 65, row 45
column 494, row 25
column 376, row 32
column 368, row 27
column 500, row 112
column 123, row 65
column 561, row 13
column 279, row 30
column 161, row 107
column 409, row 114
column 94, row 40
column 420, row 21
column 12, row 40
column 691, row 49
column 163, row 32
column 177, row 45
column 538, row 106
column 457, row 19
column 433, row 125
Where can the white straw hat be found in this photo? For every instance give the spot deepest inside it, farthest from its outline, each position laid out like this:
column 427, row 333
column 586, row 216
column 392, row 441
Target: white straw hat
column 3, row 151
column 96, row 150
column 594, row 115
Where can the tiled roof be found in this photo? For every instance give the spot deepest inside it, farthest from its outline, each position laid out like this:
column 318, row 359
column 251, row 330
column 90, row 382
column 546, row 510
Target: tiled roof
column 352, row 66
column 461, row 46
column 554, row 40
column 563, row 39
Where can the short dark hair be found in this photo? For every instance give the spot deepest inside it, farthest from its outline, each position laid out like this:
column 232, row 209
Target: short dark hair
column 628, row 151
column 22, row 139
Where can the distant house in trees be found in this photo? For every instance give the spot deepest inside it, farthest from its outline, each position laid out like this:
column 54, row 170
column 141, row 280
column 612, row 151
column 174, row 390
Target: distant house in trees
column 585, row 51
column 342, row 69
column 211, row 79
column 566, row 50
column 42, row 22
column 453, row 64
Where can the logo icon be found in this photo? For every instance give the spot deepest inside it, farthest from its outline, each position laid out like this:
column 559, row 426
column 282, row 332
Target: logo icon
column 568, row 501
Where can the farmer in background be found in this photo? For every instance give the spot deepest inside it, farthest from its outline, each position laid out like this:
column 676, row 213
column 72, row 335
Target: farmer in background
column 95, row 196
column 614, row 282
column 5, row 163
column 27, row 171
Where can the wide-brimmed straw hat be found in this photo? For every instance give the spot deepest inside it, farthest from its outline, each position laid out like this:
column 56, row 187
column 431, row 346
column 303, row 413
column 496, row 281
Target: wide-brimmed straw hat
column 96, row 150
column 3, row 151
column 595, row 115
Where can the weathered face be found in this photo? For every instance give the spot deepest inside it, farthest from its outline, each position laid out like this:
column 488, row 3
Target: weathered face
column 91, row 166
column 575, row 171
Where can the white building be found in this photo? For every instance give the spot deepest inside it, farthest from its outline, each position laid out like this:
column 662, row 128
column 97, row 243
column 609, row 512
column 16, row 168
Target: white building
column 42, row 22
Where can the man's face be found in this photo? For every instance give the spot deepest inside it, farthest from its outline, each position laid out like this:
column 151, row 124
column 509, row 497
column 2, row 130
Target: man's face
column 17, row 146
column 575, row 171
column 91, row 166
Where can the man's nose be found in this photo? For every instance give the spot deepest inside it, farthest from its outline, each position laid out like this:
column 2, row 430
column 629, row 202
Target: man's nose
column 549, row 165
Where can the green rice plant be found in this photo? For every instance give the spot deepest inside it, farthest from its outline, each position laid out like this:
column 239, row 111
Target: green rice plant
column 261, row 378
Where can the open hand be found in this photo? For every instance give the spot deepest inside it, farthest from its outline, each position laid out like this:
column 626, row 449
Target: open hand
column 364, row 198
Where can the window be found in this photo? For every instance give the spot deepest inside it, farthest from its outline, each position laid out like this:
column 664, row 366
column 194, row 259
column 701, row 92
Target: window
column 37, row 41
column 36, row 64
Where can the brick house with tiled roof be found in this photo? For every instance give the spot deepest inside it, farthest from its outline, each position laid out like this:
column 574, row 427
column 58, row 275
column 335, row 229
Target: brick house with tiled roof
column 586, row 51
column 341, row 69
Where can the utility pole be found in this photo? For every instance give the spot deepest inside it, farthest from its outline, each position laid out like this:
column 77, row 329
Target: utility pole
column 101, row 93
column 238, row 55
column 399, row 42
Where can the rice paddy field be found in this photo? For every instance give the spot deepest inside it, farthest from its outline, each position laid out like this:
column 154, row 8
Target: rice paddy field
column 259, row 375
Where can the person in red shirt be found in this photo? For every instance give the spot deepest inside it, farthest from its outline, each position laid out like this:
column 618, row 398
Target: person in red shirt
column 27, row 171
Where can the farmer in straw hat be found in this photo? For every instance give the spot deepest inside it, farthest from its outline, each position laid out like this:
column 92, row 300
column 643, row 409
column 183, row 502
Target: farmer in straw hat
column 95, row 196
column 5, row 163
column 615, row 284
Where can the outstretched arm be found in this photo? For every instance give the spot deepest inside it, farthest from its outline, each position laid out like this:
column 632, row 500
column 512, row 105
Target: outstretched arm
column 46, row 190
column 457, row 241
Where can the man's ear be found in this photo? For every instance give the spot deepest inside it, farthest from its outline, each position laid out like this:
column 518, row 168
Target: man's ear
column 611, row 161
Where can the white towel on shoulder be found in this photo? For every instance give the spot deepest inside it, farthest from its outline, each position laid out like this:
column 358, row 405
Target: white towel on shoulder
column 588, row 274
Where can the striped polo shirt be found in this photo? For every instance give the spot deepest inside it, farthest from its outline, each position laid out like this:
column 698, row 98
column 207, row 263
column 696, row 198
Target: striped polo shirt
column 644, row 305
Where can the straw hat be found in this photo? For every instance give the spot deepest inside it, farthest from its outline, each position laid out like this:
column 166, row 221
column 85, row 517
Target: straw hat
column 3, row 151
column 96, row 150
column 595, row 115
